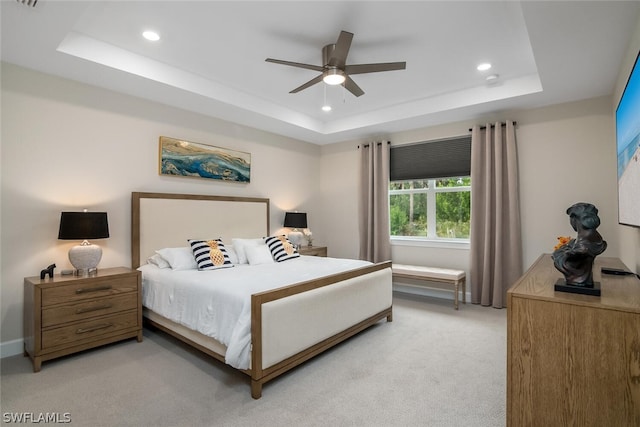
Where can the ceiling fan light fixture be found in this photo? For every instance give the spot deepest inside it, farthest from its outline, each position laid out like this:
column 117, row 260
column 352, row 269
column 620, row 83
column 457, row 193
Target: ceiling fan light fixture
column 333, row 77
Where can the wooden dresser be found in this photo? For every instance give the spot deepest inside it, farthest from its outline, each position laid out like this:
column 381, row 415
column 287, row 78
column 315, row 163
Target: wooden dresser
column 66, row 314
column 573, row 360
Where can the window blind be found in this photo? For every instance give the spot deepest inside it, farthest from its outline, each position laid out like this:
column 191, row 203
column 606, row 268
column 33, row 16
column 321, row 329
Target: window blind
column 431, row 159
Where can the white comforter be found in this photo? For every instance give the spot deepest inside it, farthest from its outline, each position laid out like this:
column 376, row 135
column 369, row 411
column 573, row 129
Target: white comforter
column 217, row 303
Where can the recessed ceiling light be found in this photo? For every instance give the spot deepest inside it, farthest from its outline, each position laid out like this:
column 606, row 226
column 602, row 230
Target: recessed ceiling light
column 484, row 67
column 492, row 77
column 151, row 35
column 326, row 108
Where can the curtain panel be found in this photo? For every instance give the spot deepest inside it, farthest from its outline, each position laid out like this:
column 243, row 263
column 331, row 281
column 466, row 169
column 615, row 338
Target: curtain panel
column 375, row 240
column 496, row 244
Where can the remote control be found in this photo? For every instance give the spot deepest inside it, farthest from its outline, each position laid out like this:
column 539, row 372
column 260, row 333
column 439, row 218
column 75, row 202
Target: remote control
column 616, row 271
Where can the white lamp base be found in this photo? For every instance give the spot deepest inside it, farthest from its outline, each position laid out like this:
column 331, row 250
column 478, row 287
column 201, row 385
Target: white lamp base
column 296, row 237
column 85, row 258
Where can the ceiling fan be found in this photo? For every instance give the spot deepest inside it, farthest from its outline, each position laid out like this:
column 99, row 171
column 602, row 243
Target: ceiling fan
column 335, row 71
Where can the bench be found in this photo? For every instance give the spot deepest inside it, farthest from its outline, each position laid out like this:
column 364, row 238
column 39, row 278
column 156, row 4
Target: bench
column 457, row 278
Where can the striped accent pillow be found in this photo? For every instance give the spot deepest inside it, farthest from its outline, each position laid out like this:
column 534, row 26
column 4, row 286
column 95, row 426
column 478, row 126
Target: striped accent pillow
column 210, row 254
column 281, row 248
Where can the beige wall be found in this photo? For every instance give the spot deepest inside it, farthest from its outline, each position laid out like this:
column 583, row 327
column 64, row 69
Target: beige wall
column 68, row 146
column 566, row 155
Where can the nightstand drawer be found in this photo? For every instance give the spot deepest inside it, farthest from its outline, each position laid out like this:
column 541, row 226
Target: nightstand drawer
column 86, row 330
column 87, row 309
column 85, row 289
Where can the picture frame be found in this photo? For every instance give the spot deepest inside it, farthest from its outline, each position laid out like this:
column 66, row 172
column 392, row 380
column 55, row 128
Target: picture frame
column 178, row 157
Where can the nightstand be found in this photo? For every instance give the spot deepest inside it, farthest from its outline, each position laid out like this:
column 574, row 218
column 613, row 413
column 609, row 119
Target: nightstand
column 67, row 314
column 313, row 250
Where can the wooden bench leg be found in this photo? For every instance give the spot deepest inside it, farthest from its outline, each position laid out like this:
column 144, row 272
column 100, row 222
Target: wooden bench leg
column 455, row 295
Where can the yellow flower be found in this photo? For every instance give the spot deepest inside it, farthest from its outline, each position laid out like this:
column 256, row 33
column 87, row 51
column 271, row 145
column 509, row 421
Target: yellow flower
column 562, row 240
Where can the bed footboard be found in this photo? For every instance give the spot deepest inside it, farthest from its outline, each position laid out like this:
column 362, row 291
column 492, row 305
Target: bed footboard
column 292, row 324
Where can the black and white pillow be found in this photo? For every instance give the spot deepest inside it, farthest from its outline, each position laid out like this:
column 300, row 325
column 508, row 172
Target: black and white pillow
column 210, row 254
column 281, row 248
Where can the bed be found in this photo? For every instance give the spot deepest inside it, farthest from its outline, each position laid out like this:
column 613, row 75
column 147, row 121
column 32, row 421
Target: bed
column 287, row 325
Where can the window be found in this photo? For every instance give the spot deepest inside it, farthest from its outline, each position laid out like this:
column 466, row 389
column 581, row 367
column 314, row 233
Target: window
column 430, row 190
column 432, row 209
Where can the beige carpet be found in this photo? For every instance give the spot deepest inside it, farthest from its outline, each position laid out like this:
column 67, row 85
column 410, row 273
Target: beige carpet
column 431, row 366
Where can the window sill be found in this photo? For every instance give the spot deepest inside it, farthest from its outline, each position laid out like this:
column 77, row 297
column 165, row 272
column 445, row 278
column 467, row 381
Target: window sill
column 431, row 243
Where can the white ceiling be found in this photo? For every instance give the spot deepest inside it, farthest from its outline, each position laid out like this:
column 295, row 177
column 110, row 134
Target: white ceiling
column 211, row 56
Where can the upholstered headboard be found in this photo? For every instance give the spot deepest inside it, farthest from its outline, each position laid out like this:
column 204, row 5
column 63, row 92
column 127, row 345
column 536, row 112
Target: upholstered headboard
column 163, row 220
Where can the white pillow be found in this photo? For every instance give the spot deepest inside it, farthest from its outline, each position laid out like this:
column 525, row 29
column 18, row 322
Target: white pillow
column 179, row 258
column 241, row 244
column 158, row 261
column 258, row 254
column 233, row 255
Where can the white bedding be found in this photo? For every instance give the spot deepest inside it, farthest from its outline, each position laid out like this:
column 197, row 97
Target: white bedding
column 217, row 303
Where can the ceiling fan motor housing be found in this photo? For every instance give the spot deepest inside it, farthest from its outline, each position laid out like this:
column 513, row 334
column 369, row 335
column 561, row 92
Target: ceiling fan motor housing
column 327, row 51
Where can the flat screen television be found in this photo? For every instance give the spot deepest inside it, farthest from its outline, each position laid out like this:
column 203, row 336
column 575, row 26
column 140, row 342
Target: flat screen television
column 628, row 150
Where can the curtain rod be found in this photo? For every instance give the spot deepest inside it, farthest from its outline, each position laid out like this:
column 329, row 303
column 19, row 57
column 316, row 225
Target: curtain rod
column 484, row 127
column 379, row 143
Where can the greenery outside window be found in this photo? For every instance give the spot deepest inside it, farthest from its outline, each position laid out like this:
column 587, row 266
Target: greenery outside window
column 431, row 208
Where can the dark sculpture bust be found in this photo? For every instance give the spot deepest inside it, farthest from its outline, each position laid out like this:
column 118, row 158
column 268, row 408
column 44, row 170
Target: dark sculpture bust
column 575, row 258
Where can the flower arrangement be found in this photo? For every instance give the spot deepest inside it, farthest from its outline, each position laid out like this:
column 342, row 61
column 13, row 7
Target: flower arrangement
column 562, row 240
column 309, row 236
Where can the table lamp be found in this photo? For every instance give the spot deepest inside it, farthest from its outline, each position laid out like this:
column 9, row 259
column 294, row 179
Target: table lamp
column 84, row 226
column 296, row 221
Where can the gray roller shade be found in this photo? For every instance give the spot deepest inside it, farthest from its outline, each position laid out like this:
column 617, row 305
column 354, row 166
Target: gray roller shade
column 431, row 159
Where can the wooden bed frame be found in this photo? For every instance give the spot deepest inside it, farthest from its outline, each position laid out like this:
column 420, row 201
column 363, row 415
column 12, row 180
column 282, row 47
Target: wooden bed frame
column 167, row 220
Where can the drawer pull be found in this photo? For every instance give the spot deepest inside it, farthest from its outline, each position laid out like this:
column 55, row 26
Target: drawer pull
column 94, row 308
column 96, row 289
column 93, row 328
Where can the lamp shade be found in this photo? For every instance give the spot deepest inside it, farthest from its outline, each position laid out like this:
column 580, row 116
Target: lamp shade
column 295, row 220
column 83, row 226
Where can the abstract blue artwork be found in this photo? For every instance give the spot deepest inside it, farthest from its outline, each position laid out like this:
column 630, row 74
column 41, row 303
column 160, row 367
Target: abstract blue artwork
column 184, row 158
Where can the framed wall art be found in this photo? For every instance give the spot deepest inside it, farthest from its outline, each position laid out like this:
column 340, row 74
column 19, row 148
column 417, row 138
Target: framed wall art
column 192, row 159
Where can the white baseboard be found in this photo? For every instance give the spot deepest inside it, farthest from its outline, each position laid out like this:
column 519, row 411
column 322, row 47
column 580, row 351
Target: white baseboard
column 11, row 348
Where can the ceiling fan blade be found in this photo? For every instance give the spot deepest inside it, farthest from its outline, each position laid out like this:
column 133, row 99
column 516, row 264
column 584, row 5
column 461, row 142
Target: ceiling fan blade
column 352, row 87
column 339, row 55
column 308, row 84
column 296, row 64
column 374, row 68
